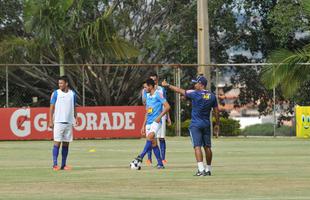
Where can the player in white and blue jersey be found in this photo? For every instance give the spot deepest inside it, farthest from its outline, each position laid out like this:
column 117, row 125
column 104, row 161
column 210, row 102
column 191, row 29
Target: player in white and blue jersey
column 203, row 102
column 61, row 118
column 156, row 107
column 166, row 118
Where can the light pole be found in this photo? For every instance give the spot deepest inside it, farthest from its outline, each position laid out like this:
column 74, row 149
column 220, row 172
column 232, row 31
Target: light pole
column 203, row 40
column 204, row 44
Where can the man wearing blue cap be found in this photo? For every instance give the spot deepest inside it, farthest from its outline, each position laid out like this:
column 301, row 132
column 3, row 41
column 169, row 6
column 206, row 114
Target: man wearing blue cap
column 203, row 102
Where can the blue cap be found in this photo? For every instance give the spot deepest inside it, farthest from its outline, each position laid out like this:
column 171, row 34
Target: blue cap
column 200, row 79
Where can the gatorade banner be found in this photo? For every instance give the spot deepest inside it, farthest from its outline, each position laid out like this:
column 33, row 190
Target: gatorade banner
column 303, row 121
column 92, row 122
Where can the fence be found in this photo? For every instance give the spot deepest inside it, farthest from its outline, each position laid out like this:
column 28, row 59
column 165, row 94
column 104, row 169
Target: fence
column 120, row 84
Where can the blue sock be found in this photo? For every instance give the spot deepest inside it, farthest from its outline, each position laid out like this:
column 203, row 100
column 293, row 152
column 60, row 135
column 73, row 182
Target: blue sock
column 162, row 143
column 55, row 154
column 147, row 147
column 64, row 153
column 149, row 155
column 157, row 154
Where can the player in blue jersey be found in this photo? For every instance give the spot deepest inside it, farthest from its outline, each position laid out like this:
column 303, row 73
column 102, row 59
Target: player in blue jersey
column 156, row 107
column 166, row 118
column 61, row 119
column 203, row 102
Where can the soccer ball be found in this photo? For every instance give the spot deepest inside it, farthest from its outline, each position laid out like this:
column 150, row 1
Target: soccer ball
column 135, row 165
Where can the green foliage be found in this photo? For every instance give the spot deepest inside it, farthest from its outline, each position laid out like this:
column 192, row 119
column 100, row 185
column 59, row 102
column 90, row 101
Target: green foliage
column 251, row 34
column 48, row 19
column 58, row 32
column 302, row 97
column 132, row 31
column 287, row 18
column 266, row 130
column 18, row 48
column 289, row 74
column 184, row 128
column 306, row 6
column 96, row 37
column 228, row 127
column 64, row 29
column 10, row 21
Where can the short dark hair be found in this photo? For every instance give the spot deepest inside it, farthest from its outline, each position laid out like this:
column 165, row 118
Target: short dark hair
column 153, row 74
column 149, row 82
column 64, row 78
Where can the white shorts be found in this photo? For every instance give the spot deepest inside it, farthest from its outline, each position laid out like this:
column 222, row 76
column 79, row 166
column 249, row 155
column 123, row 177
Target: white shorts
column 63, row 132
column 162, row 130
column 153, row 128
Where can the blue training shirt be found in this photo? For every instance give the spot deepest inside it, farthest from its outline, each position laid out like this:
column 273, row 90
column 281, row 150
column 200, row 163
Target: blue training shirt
column 154, row 106
column 158, row 88
column 202, row 103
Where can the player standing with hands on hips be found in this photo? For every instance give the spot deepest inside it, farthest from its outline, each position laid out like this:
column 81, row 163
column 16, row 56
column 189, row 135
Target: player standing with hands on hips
column 203, row 102
column 61, row 118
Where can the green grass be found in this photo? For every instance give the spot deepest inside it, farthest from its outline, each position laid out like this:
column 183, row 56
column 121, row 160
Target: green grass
column 243, row 168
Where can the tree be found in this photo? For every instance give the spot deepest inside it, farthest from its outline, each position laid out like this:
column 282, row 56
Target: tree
column 161, row 31
column 146, row 34
column 289, row 74
column 62, row 31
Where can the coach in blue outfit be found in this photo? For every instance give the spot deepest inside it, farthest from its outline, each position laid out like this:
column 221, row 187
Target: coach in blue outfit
column 203, row 102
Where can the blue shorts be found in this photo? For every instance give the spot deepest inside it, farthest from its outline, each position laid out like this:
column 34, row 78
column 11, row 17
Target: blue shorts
column 201, row 137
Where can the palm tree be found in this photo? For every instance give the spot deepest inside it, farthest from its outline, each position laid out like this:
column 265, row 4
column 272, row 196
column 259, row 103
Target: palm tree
column 290, row 72
column 57, row 32
column 54, row 22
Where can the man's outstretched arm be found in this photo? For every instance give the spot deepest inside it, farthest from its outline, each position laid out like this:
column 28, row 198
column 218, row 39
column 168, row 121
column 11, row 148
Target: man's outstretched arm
column 173, row 88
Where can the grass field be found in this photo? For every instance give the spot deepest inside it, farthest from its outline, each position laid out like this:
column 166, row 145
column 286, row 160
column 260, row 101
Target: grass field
column 243, row 168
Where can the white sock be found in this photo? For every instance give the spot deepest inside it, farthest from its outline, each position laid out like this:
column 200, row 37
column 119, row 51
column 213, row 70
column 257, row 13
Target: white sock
column 208, row 167
column 200, row 166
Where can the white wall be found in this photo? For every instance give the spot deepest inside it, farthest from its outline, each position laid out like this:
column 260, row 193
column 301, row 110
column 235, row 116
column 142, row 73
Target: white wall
column 247, row 121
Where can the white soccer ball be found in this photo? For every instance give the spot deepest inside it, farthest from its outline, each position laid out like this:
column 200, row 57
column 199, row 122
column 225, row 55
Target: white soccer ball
column 135, row 165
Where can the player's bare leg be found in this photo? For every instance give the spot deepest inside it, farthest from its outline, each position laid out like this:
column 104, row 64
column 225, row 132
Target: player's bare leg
column 198, row 154
column 199, row 159
column 208, row 152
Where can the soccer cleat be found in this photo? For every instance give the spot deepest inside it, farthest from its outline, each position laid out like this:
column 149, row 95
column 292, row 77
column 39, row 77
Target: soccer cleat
column 139, row 159
column 208, row 173
column 66, row 168
column 160, row 167
column 164, row 162
column 56, row 168
column 148, row 162
column 203, row 173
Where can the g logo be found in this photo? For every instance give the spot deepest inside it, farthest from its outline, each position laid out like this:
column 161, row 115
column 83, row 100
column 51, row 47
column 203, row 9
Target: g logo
column 19, row 122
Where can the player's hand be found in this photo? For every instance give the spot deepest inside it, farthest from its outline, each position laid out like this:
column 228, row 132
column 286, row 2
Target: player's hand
column 51, row 124
column 165, row 83
column 169, row 123
column 76, row 123
column 143, row 132
column 157, row 120
column 216, row 130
